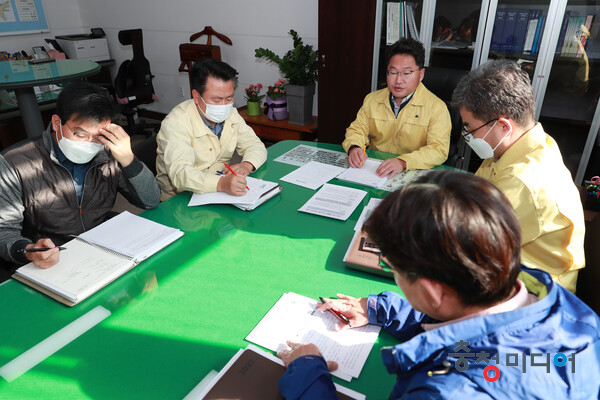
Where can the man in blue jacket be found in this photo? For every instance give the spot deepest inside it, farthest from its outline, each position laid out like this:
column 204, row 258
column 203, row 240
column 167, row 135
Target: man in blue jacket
column 475, row 322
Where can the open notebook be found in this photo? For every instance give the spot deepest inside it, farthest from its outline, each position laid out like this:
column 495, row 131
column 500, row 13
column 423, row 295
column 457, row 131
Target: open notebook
column 260, row 191
column 98, row 257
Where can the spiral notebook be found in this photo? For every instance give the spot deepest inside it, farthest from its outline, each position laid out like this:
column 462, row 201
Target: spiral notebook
column 97, row 257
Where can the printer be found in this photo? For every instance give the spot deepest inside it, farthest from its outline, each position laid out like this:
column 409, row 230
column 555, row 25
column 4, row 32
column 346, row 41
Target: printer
column 84, row 47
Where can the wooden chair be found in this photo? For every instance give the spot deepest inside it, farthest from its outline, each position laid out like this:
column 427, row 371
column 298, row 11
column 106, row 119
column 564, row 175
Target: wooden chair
column 192, row 52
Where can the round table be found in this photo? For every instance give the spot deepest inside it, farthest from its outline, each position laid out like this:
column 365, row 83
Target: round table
column 22, row 76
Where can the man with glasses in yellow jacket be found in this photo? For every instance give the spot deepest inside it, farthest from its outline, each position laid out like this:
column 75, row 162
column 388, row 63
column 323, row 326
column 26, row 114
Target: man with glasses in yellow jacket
column 405, row 118
column 497, row 106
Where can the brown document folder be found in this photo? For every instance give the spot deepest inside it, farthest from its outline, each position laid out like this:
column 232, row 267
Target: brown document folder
column 251, row 377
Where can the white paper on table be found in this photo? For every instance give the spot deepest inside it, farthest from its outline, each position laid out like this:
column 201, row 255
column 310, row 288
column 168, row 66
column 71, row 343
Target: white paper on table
column 364, row 175
column 295, row 317
column 366, row 212
column 313, row 175
column 257, row 188
column 334, row 201
column 303, row 154
column 403, row 178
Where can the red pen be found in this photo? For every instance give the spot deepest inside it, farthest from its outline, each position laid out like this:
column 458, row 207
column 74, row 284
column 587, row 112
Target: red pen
column 338, row 314
column 230, row 170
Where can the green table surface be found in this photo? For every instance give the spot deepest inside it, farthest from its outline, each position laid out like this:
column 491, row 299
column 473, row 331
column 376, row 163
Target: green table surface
column 14, row 74
column 187, row 309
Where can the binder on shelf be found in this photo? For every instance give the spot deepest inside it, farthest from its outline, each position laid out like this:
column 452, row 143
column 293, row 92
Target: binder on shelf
column 572, row 36
column 97, row 257
column 584, row 36
column 508, row 33
column 534, row 18
column 538, row 35
column 520, row 31
column 412, row 24
column 563, row 32
column 498, row 29
column 393, row 25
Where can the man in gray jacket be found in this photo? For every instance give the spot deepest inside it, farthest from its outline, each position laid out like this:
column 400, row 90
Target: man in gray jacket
column 65, row 181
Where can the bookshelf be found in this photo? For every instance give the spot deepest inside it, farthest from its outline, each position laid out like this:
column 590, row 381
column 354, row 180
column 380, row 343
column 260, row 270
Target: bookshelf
column 543, row 37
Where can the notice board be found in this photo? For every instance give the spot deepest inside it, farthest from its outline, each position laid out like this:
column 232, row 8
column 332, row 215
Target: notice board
column 19, row 17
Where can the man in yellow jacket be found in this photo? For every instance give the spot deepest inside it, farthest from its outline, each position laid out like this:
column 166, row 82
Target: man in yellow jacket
column 497, row 106
column 199, row 136
column 405, row 118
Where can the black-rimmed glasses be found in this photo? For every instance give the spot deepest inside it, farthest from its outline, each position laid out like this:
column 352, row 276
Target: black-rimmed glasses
column 465, row 132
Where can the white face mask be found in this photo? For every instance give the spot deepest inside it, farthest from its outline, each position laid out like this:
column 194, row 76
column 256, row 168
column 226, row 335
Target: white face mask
column 79, row 152
column 481, row 147
column 216, row 112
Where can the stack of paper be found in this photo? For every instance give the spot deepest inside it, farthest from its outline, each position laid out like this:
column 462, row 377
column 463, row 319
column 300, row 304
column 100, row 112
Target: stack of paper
column 252, row 197
column 295, row 317
column 313, row 175
column 365, row 175
column 334, row 201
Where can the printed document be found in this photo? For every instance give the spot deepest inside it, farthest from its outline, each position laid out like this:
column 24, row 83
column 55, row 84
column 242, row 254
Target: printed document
column 303, row 154
column 334, row 201
column 295, row 317
column 313, row 175
column 402, row 178
column 364, row 175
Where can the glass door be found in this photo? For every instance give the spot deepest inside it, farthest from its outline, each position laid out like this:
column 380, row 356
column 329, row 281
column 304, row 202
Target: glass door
column 455, row 32
column 569, row 109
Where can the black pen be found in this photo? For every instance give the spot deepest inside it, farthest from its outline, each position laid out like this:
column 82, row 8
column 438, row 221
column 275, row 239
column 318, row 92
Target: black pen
column 338, row 314
column 42, row 249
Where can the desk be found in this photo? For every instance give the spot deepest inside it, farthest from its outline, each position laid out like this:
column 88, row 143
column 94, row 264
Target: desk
column 274, row 131
column 187, row 309
column 23, row 76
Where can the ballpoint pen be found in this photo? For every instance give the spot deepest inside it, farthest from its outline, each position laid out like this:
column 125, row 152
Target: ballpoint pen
column 230, row 170
column 338, row 314
column 364, row 152
column 36, row 250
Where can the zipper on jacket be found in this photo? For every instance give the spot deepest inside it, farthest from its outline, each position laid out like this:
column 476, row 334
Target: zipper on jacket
column 446, row 365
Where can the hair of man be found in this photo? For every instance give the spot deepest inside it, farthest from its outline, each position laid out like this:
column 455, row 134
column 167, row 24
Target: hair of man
column 85, row 101
column 498, row 88
column 206, row 67
column 453, row 228
column 407, row 46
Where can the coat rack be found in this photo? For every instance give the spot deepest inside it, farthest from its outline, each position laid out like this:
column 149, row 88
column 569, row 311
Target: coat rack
column 192, row 52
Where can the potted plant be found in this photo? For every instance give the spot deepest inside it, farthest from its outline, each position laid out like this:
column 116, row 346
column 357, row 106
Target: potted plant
column 276, row 103
column 253, row 97
column 299, row 65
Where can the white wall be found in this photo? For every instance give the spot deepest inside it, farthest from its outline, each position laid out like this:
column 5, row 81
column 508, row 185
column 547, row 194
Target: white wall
column 166, row 24
column 63, row 17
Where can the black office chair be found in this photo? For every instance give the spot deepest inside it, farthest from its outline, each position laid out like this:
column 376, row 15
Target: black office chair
column 442, row 82
column 133, row 84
